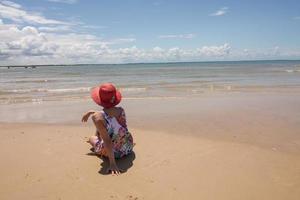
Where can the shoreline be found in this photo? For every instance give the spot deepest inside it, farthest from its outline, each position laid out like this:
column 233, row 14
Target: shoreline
column 259, row 119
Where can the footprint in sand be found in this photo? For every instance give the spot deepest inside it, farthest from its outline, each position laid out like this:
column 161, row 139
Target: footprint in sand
column 131, row 197
column 151, row 181
column 165, row 162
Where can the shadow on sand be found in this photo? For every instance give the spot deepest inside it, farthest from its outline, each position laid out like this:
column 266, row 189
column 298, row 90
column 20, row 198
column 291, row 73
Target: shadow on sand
column 123, row 163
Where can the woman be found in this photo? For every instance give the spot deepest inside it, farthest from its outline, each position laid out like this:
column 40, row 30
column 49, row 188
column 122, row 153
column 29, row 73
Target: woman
column 112, row 138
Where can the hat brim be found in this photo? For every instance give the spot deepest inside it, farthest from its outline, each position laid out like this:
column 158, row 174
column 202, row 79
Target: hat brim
column 95, row 95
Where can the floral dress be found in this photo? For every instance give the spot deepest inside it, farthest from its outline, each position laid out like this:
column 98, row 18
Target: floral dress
column 122, row 141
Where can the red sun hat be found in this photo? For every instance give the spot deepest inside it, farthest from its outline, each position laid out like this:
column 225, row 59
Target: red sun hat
column 106, row 95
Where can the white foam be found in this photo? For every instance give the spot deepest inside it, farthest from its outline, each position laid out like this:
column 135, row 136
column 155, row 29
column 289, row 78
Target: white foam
column 290, row 70
column 58, row 90
column 133, row 89
column 37, row 101
column 19, row 90
column 79, row 89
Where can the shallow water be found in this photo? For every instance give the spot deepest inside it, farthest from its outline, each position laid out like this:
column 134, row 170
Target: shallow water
column 64, row 83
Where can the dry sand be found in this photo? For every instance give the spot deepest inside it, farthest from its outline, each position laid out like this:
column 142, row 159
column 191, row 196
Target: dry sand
column 227, row 148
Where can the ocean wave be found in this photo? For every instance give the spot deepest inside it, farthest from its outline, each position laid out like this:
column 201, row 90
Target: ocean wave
column 57, row 90
column 290, row 70
column 133, row 89
column 78, row 89
column 36, row 81
column 71, row 73
column 32, row 81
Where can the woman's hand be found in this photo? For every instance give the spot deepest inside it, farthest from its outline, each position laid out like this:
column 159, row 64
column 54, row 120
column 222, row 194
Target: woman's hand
column 86, row 116
column 114, row 170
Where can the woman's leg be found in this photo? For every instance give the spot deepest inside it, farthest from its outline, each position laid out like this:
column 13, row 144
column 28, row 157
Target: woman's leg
column 93, row 140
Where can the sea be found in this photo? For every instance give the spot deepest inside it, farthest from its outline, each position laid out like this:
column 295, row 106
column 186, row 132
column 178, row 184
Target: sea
column 38, row 84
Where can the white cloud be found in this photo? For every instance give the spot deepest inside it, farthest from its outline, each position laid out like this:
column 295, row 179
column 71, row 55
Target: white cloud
column 64, row 1
column 26, row 42
column 157, row 49
column 271, row 53
column 215, row 51
column 297, row 18
column 276, row 50
column 121, row 40
column 15, row 13
column 11, row 4
column 54, row 28
column 181, row 36
column 220, row 12
column 30, row 45
column 94, row 27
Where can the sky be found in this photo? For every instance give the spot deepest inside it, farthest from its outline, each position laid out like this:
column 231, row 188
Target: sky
column 133, row 31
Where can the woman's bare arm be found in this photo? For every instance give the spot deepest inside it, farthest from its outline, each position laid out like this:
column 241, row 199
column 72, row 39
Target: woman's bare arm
column 86, row 116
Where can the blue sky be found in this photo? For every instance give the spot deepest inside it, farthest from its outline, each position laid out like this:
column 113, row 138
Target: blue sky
column 97, row 31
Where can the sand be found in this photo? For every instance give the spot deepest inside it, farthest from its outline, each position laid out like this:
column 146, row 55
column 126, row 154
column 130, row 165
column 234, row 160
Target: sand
column 230, row 147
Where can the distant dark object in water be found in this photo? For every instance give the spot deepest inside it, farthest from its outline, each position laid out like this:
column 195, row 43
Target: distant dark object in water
column 32, row 67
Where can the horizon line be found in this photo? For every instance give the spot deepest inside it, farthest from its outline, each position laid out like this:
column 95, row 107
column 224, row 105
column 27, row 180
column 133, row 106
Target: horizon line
column 136, row 63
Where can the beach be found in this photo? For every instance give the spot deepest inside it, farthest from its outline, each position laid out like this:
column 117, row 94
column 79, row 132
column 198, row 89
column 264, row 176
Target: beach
column 209, row 92
column 217, row 146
